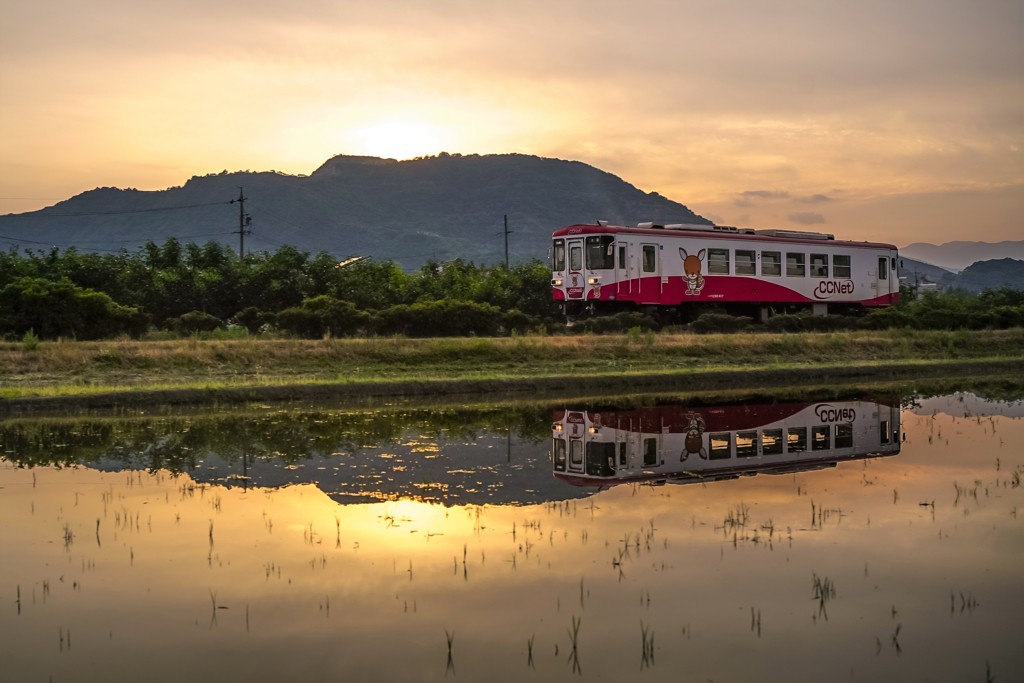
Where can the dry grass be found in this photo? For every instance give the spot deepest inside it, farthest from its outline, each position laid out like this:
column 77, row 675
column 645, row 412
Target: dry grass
column 126, row 363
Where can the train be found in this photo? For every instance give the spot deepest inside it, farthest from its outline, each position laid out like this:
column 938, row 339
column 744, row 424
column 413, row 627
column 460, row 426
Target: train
column 684, row 269
column 683, row 444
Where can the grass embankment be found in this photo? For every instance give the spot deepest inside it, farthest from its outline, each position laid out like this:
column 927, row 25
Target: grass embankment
column 218, row 369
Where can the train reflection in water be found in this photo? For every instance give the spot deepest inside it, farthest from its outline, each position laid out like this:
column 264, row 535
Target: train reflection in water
column 680, row 444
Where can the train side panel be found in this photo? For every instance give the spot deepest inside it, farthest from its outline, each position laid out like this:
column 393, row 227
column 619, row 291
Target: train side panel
column 601, row 265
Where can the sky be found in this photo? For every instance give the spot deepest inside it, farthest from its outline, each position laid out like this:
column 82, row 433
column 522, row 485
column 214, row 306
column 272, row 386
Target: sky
column 900, row 121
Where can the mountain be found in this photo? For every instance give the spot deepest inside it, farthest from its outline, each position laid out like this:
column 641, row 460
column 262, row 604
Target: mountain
column 918, row 273
column 992, row 274
column 444, row 207
column 959, row 255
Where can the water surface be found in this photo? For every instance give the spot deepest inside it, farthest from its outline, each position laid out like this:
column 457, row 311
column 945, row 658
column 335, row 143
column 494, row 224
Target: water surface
column 873, row 538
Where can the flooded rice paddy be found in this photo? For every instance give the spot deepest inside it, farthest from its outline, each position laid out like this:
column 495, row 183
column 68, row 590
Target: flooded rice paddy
column 864, row 539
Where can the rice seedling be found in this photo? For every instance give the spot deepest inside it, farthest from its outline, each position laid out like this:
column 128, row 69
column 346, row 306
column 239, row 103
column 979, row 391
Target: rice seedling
column 895, row 639
column 647, row 646
column 450, row 637
column 574, row 633
column 824, row 591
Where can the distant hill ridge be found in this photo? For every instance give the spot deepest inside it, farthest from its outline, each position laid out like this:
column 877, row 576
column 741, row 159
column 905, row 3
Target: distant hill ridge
column 960, row 254
column 443, row 207
column 991, row 274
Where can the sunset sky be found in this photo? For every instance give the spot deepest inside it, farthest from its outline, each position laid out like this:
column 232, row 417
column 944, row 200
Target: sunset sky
column 901, row 121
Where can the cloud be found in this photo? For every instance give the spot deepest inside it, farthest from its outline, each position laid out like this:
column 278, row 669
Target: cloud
column 747, row 197
column 95, row 90
column 807, row 218
column 814, row 199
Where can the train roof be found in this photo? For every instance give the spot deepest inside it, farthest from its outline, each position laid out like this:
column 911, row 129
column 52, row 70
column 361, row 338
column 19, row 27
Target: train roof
column 718, row 232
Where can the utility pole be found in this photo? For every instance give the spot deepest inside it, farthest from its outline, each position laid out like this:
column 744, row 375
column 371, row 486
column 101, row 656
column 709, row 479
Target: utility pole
column 506, row 241
column 244, row 221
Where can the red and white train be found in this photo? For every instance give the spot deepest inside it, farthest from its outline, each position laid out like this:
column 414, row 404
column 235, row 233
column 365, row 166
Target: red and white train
column 685, row 444
column 605, row 268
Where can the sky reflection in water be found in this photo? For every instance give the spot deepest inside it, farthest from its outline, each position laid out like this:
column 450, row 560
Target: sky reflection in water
column 350, row 546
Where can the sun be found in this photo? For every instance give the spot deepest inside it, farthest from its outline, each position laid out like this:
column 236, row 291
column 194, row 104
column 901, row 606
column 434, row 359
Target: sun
column 399, row 140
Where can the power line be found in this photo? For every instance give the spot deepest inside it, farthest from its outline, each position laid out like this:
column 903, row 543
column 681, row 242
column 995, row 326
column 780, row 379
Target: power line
column 40, row 214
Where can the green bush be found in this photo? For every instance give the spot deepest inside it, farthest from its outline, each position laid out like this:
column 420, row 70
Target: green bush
column 786, row 322
column 719, row 322
column 30, row 342
column 444, row 318
column 618, row 322
column 517, row 322
column 339, row 318
column 886, row 318
column 301, row 322
column 253, row 319
column 322, row 315
column 196, row 321
column 61, row 309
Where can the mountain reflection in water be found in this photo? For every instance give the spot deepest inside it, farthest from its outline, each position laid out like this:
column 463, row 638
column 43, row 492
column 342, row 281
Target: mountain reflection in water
column 666, row 442
column 879, row 538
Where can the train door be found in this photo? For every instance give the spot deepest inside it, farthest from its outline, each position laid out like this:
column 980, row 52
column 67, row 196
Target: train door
column 885, row 277
column 889, row 427
column 651, row 450
column 650, row 274
column 576, row 279
column 623, row 277
column 576, row 452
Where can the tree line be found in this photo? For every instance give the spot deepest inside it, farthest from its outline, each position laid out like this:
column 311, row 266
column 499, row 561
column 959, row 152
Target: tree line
column 185, row 289
column 190, row 288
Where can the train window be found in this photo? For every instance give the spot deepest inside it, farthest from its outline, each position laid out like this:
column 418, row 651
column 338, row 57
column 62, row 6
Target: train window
column 650, row 452
column 884, row 431
column 844, row 435
column 575, row 454
column 893, row 259
column 771, row 442
column 771, row 263
column 745, row 262
column 820, row 438
column 883, row 268
column 650, row 258
column 622, row 256
column 746, row 444
column 718, row 261
column 600, row 252
column 795, row 265
column 558, row 454
column 796, row 439
column 558, row 256
column 819, row 265
column 719, row 446
column 600, row 459
column 622, row 455
column 575, row 258
column 841, row 265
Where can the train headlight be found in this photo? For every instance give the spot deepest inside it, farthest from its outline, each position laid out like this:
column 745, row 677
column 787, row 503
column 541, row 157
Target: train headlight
column 593, row 280
column 557, row 282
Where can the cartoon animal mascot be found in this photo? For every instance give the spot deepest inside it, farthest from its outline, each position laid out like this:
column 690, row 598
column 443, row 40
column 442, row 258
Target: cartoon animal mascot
column 691, row 271
column 693, row 443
